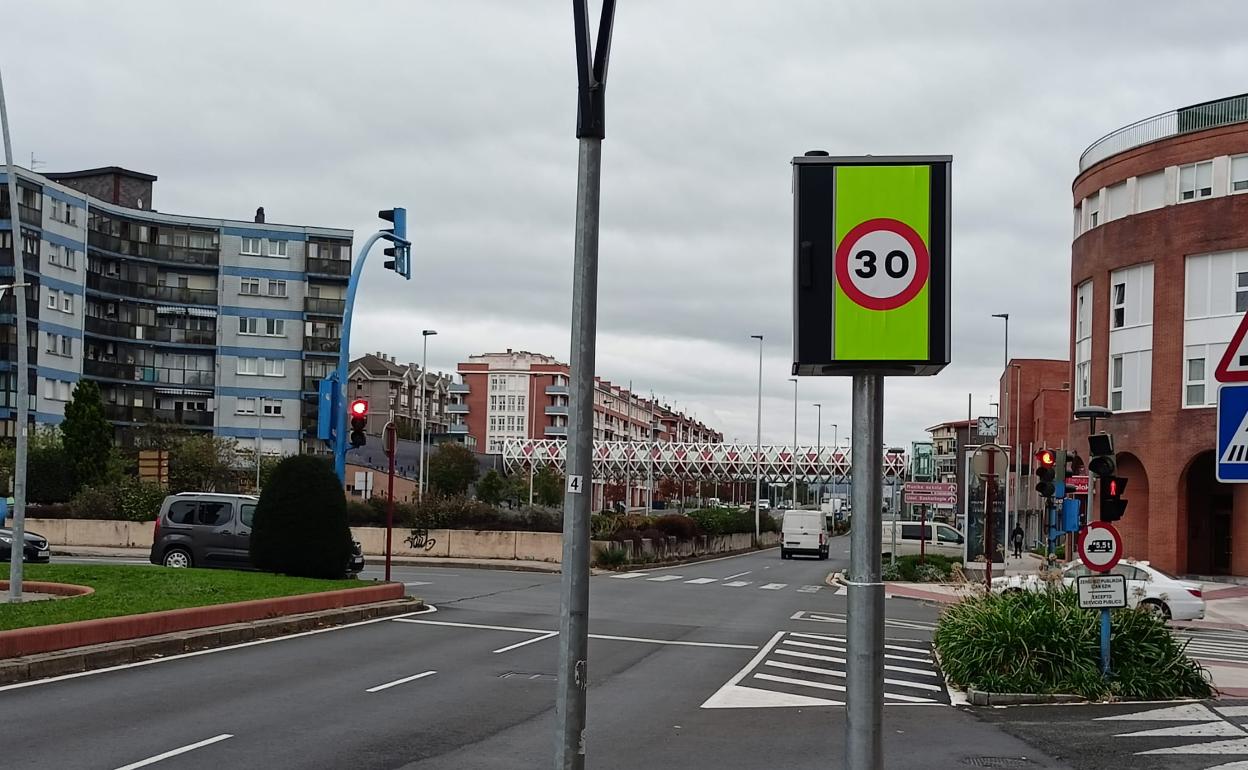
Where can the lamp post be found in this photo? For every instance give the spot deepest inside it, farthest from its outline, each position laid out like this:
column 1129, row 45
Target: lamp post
column 424, row 409
column 1005, row 412
column 819, row 450
column 758, row 439
column 793, row 464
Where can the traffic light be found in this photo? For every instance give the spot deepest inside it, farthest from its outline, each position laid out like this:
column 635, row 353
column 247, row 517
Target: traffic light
column 1113, row 507
column 358, row 412
column 1071, row 465
column 400, row 250
column 1101, row 447
column 1046, row 461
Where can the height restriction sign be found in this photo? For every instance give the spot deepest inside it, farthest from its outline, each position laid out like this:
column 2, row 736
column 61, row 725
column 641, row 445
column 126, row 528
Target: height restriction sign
column 871, row 264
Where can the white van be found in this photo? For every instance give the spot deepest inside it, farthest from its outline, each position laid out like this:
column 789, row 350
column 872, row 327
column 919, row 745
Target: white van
column 942, row 539
column 804, row 532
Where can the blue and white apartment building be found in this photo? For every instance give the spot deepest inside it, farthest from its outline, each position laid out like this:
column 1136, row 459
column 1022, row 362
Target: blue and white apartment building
column 207, row 324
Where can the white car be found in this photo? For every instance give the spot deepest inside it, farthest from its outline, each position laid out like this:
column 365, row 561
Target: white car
column 1147, row 587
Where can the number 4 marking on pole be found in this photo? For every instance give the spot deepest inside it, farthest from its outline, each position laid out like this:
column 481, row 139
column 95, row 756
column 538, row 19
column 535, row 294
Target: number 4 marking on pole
column 574, row 485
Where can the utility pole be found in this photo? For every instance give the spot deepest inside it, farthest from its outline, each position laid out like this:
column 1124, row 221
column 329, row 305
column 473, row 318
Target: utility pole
column 819, row 453
column 22, row 373
column 758, row 440
column 591, row 69
column 793, row 465
column 424, row 409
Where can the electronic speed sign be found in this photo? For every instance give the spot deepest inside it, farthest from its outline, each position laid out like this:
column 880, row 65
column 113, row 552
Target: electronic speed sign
column 871, row 264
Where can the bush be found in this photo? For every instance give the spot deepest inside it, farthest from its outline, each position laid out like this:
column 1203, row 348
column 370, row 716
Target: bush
column 1043, row 643
column 49, row 474
column 94, row 503
column 51, row 511
column 626, row 534
column 300, row 526
column 936, row 569
column 490, row 488
column 680, row 527
column 729, row 521
column 602, row 526
column 138, row 500
column 657, row 537
column 611, row 558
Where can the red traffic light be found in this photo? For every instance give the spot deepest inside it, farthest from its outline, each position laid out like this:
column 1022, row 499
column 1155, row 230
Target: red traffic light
column 1046, row 457
column 359, row 408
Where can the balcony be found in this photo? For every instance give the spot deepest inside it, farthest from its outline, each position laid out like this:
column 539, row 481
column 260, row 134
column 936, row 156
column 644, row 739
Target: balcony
column 458, row 428
column 8, row 307
column 322, row 345
column 458, row 388
column 178, row 255
column 557, row 390
column 323, row 306
column 143, row 414
column 152, row 375
column 130, row 289
column 557, row 411
column 338, row 268
column 312, row 384
column 557, row 430
column 457, row 409
column 110, row 328
column 29, row 215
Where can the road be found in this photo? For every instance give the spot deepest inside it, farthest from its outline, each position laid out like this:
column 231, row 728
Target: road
column 733, row 663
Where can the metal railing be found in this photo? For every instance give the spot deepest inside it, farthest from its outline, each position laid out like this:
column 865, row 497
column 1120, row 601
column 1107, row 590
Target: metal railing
column 460, row 388
column 557, row 390
column 182, row 255
column 175, row 294
column 457, row 409
column 154, row 375
column 559, row 410
column 1198, row 117
column 322, row 344
column 324, row 306
column 144, row 414
column 141, row 333
column 322, row 266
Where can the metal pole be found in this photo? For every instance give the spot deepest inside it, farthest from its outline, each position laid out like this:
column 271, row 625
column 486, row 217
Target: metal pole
column 22, row 373
column 819, row 452
column 864, row 676
column 1105, row 642
column 340, row 419
column 424, row 410
column 389, row 437
column 650, row 463
column 794, row 463
column 758, row 439
column 1018, row 437
column 259, row 438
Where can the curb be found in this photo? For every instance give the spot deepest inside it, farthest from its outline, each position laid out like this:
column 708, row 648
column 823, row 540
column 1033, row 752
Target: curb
column 982, row 698
column 63, row 636
column 97, row 656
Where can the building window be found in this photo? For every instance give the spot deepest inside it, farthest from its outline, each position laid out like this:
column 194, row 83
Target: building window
column 60, row 256
column 1241, row 292
column 245, row 406
column 277, row 248
column 1196, row 181
column 275, row 327
column 1239, row 174
column 250, row 247
column 248, row 366
column 1083, row 373
column 1093, row 206
column 53, row 296
column 1119, row 202
column 249, row 286
column 1118, row 304
column 272, row 407
column 1115, row 383
column 276, row 288
column 274, row 367
column 67, row 302
column 248, row 325
column 1194, row 382
column 67, row 345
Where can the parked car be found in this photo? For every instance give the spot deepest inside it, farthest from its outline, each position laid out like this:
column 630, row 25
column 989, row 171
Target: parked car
column 942, row 539
column 207, row 529
column 36, row 549
column 804, row 532
column 1147, row 587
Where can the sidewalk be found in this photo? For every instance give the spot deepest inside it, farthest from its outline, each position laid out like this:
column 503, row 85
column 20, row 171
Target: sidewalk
column 371, row 560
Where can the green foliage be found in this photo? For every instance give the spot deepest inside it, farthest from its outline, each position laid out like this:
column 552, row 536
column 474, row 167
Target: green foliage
column 94, row 503
column 301, row 521
column 203, row 463
column 936, row 569
column 490, row 488
column 138, row 500
column 49, row 475
column 88, row 435
column 452, row 469
column 548, row 486
column 729, row 521
column 516, row 488
column 675, row 525
column 602, row 526
column 1041, row 642
column 611, row 557
column 460, row 512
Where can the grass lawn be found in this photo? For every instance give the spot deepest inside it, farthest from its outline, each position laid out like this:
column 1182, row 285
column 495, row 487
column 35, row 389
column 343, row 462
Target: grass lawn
column 131, row 589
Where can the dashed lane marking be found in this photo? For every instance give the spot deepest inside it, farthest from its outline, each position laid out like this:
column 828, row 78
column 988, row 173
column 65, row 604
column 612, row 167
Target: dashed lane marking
column 628, row 575
column 702, row 581
column 664, row 578
column 773, row 586
column 738, row 583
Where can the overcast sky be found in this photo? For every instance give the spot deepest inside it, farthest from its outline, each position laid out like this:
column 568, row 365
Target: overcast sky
column 464, row 112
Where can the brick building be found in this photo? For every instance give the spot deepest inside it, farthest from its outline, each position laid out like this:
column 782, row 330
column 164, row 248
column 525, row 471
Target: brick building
column 1036, row 415
column 1159, row 281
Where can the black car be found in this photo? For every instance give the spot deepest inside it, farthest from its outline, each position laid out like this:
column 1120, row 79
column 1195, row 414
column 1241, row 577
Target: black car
column 36, row 549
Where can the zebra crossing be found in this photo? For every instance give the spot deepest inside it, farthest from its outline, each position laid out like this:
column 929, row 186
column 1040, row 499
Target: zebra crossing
column 759, row 585
column 1211, row 645
column 806, row 669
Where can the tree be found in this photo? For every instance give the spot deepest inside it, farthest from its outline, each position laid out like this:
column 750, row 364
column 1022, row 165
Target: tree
column 548, row 486
column 516, row 488
column 667, row 488
column 203, row 463
column 300, row 526
column 611, row 493
column 87, row 436
column 49, row 475
column 452, row 468
column 490, row 488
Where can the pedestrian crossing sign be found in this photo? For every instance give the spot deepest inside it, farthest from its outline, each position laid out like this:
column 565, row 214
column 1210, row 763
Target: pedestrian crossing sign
column 1233, row 434
column 1234, row 364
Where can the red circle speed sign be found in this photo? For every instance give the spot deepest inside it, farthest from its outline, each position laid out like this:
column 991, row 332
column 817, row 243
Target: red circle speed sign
column 881, row 264
column 1100, row 546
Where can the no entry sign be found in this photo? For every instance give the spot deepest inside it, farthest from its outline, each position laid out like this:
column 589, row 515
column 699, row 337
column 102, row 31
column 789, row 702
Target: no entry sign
column 871, row 265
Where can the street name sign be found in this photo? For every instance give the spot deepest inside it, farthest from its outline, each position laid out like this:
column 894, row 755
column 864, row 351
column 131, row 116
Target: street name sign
column 929, row 493
column 1102, row 592
column 871, row 271
column 1100, row 546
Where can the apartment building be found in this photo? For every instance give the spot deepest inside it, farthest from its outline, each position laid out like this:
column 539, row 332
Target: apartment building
column 213, row 325
column 398, row 389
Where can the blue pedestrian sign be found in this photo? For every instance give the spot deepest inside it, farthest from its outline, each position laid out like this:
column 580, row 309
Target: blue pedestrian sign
column 1233, row 434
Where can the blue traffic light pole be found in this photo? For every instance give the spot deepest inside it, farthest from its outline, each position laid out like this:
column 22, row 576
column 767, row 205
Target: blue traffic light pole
column 339, row 377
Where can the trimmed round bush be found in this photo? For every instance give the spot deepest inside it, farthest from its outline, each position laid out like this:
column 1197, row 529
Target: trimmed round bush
column 301, row 521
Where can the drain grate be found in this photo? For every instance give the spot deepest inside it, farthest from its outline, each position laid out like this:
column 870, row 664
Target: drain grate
column 529, row 677
column 996, row 762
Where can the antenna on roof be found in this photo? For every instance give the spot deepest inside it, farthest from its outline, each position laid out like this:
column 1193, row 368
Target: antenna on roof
column 35, row 163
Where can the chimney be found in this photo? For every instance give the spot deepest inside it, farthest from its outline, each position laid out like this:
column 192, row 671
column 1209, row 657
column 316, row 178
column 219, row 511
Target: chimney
column 260, row 215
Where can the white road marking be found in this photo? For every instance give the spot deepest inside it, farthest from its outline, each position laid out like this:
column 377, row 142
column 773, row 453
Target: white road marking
column 418, row 583
column 809, row 589
column 702, row 581
column 802, row 682
column 841, row 639
column 1232, row 711
column 511, row 647
column 607, row 637
column 1192, row 712
column 738, row 583
column 676, row 642
column 480, row 626
column 1233, row 746
column 842, row 591
column 773, row 586
column 739, row 574
column 628, row 575
column 1202, row 729
column 197, row 653
column 841, row 674
column 176, row 752
column 664, row 578
column 404, row 680
column 812, row 645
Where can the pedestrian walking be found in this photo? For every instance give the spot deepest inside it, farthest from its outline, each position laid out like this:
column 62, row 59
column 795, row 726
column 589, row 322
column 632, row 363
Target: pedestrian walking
column 1016, row 539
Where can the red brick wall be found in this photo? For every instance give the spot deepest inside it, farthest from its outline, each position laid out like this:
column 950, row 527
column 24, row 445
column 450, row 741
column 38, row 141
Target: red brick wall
column 1032, row 376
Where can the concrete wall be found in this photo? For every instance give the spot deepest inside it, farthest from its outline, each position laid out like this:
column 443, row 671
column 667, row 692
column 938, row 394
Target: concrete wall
column 92, row 532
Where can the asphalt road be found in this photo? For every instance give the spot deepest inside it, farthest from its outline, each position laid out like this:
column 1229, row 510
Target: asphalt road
column 724, row 664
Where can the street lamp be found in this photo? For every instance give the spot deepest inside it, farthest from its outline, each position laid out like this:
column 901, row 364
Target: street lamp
column 819, row 450
column 793, row 464
column 758, row 440
column 424, row 410
column 1004, row 412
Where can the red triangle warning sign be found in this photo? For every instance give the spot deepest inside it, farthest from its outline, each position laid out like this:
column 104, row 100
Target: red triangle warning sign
column 1234, row 364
